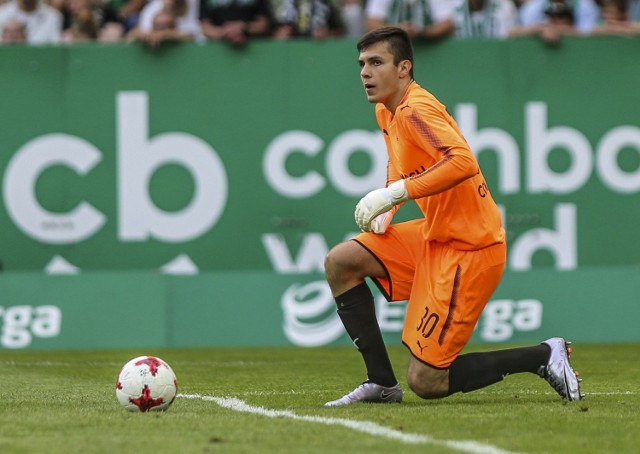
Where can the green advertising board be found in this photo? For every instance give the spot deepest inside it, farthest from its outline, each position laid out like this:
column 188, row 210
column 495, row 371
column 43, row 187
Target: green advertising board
column 134, row 309
column 202, row 170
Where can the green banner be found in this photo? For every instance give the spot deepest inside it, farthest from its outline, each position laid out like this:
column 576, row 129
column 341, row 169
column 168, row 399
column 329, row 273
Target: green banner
column 142, row 309
column 202, row 157
column 188, row 195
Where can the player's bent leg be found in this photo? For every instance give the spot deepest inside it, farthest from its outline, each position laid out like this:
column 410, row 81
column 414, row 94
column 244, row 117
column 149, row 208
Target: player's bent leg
column 427, row 382
column 347, row 264
column 473, row 371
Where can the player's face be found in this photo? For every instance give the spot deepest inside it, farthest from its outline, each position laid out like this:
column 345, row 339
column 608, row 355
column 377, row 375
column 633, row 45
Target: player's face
column 381, row 78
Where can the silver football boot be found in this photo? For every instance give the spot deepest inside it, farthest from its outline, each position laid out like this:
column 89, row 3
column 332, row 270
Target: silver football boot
column 558, row 371
column 370, row 392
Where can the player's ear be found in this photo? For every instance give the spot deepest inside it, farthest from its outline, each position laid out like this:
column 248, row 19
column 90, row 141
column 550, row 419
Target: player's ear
column 405, row 68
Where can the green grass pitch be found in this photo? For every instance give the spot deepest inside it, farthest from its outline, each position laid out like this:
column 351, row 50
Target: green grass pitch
column 64, row 402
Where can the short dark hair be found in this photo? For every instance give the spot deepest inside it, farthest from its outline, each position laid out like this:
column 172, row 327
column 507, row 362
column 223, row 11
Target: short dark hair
column 396, row 38
column 560, row 9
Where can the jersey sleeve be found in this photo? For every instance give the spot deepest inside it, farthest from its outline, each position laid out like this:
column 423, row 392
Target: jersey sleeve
column 432, row 130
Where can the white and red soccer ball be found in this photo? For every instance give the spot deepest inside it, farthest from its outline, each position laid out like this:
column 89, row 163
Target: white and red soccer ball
column 146, row 383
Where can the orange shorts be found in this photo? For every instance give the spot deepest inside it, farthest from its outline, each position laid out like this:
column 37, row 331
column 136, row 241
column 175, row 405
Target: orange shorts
column 447, row 289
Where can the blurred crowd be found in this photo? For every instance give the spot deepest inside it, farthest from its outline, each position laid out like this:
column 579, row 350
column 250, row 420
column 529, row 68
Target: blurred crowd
column 153, row 22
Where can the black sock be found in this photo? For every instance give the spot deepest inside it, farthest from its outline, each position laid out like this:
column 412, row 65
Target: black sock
column 358, row 314
column 477, row 370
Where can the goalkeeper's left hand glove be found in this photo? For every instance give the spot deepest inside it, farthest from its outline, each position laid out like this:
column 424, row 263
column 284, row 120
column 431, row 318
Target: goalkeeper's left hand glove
column 379, row 201
column 381, row 222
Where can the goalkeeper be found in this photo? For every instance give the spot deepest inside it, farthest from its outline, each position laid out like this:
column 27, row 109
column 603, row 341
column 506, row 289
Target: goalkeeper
column 446, row 264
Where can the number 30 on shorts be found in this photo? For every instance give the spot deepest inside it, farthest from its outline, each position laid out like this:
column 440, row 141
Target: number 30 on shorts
column 428, row 323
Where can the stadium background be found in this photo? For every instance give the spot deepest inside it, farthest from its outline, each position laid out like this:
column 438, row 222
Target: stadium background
column 187, row 196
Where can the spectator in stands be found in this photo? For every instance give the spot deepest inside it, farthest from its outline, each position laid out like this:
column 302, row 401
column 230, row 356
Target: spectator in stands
column 90, row 20
column 422, row 20
column 616, row 19
column 43, row 22
column 14, row 32
column 560, row 21
column 168, row 21
column 105, row 17
column 634, row 10
column 81, row 21
column 352, row 12
column 485, row 18
column 83, row 27
column 585, row 13
column 317, row 19
column 127, row 11
column 235, row 22
column 163, row 22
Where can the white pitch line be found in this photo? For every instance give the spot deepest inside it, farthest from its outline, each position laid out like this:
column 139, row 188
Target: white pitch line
column 613, row 393
column 367, row 427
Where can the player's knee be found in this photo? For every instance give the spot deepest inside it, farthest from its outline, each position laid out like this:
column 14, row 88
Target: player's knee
column 347, row 264
column 428, row 389
column 426, row 381
column 337, row 262
column 332, row 263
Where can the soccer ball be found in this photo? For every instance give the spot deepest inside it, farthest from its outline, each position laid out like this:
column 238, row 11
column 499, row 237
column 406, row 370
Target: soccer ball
column 146, row 383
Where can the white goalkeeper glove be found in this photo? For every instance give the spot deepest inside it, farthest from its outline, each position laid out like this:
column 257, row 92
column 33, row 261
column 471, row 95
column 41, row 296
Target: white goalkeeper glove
column 379, row 201
column 381, row 222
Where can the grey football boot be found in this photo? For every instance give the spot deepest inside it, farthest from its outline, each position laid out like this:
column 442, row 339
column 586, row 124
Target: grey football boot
column 370, row 392
column 558, row 371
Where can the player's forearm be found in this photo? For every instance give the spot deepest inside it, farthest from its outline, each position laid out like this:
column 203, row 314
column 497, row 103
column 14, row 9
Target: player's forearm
column 211, row 31
column 258, row 27
column 451, row 170
column 372, row 24
column 178, row 35
column 439, row 30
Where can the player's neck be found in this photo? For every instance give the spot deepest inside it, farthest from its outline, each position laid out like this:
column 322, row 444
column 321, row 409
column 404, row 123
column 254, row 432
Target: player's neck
column 395, row 100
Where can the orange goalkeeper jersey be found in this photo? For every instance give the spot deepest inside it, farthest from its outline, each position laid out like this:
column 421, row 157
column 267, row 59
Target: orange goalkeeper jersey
column 427, row 149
